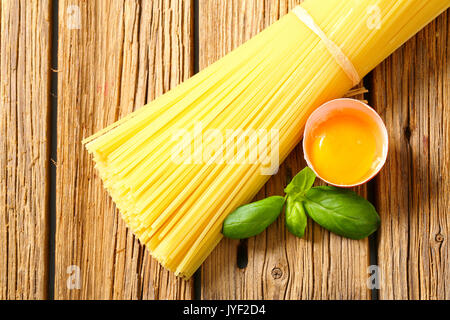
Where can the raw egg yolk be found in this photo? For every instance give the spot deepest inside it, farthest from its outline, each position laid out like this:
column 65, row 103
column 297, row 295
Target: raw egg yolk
column 344, row 149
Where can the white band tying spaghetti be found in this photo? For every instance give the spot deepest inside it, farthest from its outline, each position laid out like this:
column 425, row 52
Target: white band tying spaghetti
column 335, row 51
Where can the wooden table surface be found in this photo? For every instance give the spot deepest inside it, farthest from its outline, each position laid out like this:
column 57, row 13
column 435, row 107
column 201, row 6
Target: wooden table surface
column 70, row 67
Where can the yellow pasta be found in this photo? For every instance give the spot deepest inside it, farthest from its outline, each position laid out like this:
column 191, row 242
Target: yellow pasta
column 178, row 166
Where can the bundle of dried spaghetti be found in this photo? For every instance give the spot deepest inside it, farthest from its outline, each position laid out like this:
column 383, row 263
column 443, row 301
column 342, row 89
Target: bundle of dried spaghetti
column 178, row 166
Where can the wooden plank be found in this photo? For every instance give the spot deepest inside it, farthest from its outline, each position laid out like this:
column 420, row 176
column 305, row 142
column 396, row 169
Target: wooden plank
column 25, row 37
column 117, row 56
column 412, row 93
column 280, row 266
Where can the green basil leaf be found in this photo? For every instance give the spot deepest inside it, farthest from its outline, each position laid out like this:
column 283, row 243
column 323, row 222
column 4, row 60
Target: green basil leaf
column 295, row 217
column 302, row 182
column 251, row 219
column 341, row 211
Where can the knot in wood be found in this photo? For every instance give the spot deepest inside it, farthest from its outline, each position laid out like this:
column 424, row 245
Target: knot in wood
column 277, row 273
column 439, row 237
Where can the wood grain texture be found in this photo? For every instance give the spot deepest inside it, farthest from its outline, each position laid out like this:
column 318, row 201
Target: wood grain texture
column 280, row 266
column 24, row 143
column 412, row 93
column 117, row 56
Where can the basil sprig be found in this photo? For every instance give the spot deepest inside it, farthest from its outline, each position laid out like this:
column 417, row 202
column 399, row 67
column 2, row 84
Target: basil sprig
column 338, row 210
